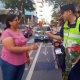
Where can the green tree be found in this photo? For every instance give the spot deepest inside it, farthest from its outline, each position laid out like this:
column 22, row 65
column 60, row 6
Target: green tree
column 21, row 5
column 57, row 3
column 25, row 4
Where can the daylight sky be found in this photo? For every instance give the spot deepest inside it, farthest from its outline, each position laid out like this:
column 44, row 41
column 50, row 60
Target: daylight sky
column 47, row 10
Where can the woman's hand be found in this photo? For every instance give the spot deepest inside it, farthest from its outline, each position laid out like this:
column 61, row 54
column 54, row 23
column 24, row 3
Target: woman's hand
column 33, row 47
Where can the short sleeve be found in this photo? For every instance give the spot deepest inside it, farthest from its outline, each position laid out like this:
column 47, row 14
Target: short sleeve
column 60, row 32
column 5, row 34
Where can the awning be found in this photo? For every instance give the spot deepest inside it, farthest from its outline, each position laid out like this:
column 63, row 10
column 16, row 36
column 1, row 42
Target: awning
column 4, row 11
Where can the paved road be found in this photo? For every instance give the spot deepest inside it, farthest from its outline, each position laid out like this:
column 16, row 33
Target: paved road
column 42, row 66
column 45, row 67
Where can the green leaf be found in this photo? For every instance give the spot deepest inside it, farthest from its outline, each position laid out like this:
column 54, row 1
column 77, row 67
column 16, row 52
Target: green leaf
column 24, row 4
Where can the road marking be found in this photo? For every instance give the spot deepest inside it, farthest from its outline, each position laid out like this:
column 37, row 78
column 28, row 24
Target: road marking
column 55, row 59
column 33, row 64
column 45, row 52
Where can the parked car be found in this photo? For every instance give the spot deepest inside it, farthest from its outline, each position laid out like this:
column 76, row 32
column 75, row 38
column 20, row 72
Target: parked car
column 40, row 35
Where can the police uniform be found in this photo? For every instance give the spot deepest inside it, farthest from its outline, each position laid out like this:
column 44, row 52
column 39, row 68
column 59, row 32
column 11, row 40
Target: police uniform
column 72, row 33
column 72, row 36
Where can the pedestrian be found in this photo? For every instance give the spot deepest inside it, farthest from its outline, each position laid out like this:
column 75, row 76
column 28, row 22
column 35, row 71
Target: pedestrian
column 58, row 44
column 71, row 35
column 14, row 50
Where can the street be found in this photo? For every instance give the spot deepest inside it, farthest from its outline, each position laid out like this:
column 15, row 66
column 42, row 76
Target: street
column 42, row 66
column 52, row 32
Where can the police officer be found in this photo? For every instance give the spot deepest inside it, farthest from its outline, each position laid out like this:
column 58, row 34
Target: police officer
column 71, row 35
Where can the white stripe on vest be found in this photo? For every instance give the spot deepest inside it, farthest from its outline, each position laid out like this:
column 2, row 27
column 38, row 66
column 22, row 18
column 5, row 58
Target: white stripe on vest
column 72, row 35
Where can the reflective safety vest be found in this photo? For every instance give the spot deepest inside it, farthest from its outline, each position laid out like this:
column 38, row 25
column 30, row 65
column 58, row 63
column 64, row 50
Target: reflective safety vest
column 71, row 35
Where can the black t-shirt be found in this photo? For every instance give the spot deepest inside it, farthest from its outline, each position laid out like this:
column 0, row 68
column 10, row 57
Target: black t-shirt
column 61, row 32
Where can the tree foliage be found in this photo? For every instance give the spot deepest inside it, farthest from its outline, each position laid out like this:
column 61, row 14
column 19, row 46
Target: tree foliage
column 62, row 2
column 26, row 4
column 58, row 3
column 29, row 5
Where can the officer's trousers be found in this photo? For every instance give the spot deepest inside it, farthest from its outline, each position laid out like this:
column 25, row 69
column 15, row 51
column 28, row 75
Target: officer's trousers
column 74, row 74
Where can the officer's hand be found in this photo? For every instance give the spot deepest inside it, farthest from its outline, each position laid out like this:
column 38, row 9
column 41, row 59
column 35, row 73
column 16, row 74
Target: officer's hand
column 48, row 34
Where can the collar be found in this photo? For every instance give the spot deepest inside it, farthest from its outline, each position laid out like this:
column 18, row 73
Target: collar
column 74, row 24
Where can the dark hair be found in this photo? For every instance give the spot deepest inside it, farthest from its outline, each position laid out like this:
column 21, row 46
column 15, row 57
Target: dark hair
column 68, row 7
column 10, row 17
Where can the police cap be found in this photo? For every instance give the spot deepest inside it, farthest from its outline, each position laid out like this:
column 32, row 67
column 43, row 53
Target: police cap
column 67, row 7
